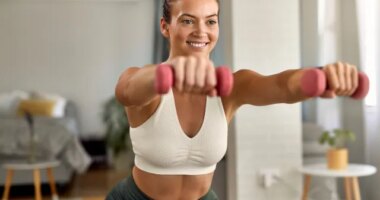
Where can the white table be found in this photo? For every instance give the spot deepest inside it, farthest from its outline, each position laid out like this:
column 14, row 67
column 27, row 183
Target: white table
column 350, row 175
column 35, row 167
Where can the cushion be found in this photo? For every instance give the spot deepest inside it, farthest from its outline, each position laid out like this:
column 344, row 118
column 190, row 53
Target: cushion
column 36, row 107
column 9, row 102
column 60, row 102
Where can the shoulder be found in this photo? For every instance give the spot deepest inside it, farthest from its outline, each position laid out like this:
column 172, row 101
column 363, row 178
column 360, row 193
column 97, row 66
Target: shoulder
column 137, row 115
column 133, row 69
column 243, row 79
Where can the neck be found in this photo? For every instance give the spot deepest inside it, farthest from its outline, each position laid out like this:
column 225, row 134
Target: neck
column 173, row 55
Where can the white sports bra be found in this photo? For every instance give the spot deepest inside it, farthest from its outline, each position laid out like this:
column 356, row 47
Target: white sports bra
column 161, row 146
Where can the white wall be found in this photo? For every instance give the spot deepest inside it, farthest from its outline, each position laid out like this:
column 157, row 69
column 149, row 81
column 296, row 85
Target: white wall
column 266, row 39
column 372, row 121
column 73, row 48
column 345, row 112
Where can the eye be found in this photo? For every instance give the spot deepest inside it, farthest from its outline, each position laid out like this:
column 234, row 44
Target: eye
column 188, row 21
column 212, row 22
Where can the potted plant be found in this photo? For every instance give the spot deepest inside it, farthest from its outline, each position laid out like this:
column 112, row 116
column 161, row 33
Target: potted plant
column 337, row 154
column 117, row 134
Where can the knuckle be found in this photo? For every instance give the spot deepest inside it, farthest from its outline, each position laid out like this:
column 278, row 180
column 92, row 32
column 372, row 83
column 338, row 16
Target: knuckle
column 334, row 87
column 180, row 59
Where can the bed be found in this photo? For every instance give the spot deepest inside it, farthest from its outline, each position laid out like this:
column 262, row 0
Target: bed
column 56, row 138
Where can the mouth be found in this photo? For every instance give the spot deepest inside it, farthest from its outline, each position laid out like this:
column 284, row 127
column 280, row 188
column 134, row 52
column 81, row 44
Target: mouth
column 197, row 44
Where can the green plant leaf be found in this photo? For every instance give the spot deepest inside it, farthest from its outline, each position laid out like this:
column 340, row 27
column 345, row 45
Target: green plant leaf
column 117, row 126
column 351, row 136
column 332, row 141
column 324, row 137
column 338, row 137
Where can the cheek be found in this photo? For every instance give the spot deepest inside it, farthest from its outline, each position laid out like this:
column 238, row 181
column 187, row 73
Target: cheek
column 180, row 35
column 214, row 33
column 215, row 36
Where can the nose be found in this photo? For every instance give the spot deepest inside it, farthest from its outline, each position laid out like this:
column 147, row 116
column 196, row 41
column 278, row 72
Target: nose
column 200, row 30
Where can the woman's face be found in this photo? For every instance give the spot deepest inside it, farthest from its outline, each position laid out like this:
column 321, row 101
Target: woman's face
column 194, row 28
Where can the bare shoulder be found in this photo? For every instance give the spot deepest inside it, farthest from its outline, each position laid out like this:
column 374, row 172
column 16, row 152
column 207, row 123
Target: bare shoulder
column 124, row 78
column 242, row 80
column 130, row 71
column 137, row 115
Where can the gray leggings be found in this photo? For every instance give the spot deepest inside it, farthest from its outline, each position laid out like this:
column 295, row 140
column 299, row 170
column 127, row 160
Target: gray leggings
column 128, row 190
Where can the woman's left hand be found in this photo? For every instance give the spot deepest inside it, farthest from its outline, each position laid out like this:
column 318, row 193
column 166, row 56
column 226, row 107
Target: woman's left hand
column 342, row 79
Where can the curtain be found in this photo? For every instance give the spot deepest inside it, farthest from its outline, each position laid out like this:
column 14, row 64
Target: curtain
column 161, row 46
column 368, row 22
column 369, row 45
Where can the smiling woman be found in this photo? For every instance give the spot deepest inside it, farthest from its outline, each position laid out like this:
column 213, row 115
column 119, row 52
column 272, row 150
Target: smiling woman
column 191, row 27
column 179, row 137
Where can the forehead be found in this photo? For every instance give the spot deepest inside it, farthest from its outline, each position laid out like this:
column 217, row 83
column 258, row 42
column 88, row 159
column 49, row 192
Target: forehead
column 198, row 8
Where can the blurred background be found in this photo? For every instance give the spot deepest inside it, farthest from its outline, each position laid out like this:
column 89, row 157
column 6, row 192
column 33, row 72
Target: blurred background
column 61, row 59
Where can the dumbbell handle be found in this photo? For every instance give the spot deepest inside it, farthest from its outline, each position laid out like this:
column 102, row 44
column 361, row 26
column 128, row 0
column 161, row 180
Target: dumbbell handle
column 314, row 84
column 165, row 79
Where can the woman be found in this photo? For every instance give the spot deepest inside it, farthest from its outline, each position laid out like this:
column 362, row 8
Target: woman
column 174, row 158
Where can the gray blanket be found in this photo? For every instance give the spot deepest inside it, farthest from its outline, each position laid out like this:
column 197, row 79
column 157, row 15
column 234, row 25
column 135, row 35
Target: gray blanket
column 54, row 140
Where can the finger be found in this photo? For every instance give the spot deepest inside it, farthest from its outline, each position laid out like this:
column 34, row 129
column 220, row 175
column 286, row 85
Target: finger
column 210, row 77
column 332, row 79
column 178, row 67
column 212, row 93
column 342, row 83
column 348, row 79
column 355, row 80
column 328, row 94
column 190, row 74
column 200, row 75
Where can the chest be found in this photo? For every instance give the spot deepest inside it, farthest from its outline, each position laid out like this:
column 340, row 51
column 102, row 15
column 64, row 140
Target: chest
column 190, row 115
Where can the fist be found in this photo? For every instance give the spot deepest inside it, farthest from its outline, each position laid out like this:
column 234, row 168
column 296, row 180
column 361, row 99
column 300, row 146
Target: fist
column 194, row 75
column 342, row 79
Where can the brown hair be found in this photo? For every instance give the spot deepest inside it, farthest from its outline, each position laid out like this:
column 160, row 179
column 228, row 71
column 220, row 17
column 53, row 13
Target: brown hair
column 166, row 10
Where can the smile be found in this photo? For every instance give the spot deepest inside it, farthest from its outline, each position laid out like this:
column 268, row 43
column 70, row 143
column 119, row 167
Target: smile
column 197, row 44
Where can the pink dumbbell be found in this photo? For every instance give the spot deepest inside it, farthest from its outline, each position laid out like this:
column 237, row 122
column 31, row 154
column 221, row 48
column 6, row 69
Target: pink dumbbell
column 313, row 84
column 165, row 79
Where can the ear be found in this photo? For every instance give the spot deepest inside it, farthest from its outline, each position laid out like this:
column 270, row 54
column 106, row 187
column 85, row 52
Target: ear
column 164, row 28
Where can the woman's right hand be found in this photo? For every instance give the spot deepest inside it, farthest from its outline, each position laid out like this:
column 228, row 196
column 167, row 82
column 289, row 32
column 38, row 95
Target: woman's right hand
column 194, row 75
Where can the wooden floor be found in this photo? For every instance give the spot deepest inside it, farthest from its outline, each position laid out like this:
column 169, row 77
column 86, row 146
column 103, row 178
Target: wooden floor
column 96, row 182
column 93, row 185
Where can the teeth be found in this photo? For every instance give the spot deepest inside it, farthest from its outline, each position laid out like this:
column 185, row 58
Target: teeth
column 197, row 44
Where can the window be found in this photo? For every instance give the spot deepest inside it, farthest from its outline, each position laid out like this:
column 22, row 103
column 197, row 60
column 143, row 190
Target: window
column 369, row 41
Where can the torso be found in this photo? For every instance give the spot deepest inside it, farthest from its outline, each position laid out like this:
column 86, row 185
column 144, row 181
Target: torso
column 176, row 187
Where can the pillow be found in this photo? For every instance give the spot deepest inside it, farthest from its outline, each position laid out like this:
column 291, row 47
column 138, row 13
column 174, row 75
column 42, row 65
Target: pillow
column 60, row 102
column 36, row 107
column 9, row 102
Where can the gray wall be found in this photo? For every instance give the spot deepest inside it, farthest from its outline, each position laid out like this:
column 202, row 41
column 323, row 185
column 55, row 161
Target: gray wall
column 73, row 48
column 265, row 39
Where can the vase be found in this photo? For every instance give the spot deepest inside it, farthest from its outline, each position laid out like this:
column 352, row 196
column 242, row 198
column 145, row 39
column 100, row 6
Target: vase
column 337, row 158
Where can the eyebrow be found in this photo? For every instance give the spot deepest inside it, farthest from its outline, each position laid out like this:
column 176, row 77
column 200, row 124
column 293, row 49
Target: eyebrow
column 188, row 15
